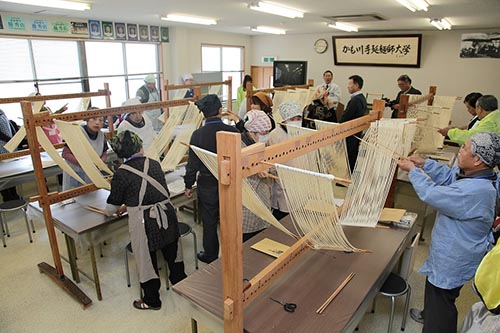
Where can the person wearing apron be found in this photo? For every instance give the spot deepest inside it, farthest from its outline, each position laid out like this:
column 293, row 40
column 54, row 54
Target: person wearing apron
column 139, row 184
column 92, row 131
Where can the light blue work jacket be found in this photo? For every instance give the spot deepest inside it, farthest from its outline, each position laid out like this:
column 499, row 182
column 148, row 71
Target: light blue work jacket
column 465, row 213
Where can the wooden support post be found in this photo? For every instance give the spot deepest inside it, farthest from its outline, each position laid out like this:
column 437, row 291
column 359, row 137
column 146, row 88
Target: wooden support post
column 249, row 94
column 111, row 126
column 403, row 105
column 230, row 93
column 230, row 202
column 197, row 92
column 432, row 90
column 164, row 97
column 58, row 273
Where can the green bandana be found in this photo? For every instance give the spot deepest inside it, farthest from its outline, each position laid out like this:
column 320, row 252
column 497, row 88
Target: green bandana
column 125, row 144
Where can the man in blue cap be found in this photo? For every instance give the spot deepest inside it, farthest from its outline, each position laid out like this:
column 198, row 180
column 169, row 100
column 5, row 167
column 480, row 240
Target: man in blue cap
column 207, row 185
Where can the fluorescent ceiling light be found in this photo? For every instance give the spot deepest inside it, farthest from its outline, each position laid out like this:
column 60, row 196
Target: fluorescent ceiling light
column 441, row 24
column 343, row 27
column 189, row 19
column 53, row 4
column 269, row 30
column 274, row 9
column 414, row 5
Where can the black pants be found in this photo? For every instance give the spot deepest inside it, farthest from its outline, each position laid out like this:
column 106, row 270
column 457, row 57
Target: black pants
column 10, row 194
column 208, row 205
column 278, row 214
column 440, row 312
column 248, row 235
column 352, row 145
column 151, row 288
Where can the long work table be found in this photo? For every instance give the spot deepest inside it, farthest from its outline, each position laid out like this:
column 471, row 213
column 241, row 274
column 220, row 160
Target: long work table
column 17, row 171
column 308, row 283
column 88, row 228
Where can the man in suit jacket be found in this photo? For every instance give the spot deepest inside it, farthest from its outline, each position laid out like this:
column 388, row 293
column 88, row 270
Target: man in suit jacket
column 404, row 84
column 355, row 108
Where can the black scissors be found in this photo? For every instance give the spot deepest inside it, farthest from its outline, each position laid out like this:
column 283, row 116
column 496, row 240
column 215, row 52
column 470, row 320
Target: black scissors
column 289, row 307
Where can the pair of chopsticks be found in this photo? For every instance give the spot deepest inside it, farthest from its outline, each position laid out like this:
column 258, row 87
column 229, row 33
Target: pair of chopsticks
column 95, row 210
column 322, row 308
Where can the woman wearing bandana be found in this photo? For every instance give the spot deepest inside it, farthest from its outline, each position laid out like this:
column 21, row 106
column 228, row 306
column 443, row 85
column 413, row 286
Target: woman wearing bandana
column 139, row 187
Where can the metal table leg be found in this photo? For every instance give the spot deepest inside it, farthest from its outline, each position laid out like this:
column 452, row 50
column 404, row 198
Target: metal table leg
column 94, row 267
column 194, row 326
column 70, row 245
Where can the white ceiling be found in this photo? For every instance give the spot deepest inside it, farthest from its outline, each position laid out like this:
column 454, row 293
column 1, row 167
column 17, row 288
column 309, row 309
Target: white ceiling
column 234, row 16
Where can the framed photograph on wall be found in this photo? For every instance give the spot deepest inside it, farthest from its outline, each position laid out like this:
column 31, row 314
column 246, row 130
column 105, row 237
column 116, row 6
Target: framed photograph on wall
column 155, row 33
column 132, row 32
column 378, row 50
column 143, row 33
column 120, row 31
column 164, row 35
column 107, row 30
column 95, row 29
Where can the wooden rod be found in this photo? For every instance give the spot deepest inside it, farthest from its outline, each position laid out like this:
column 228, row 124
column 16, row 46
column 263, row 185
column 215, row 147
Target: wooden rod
column 52, row 97
column 41, row 185
column 322, row 308
column 41, row 119
column 95, row 210
column 189, row 86
column 25, row 152
column 294, row 147
column 111, row 126
column 230, row 93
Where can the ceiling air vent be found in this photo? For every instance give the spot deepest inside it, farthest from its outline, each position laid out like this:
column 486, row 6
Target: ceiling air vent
column 356, row 18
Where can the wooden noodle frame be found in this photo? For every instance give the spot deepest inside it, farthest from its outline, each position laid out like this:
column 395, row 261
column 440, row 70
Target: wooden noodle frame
column 236, row 163
column 250, row 92
column 45, row 199
column 402, row 112
column 101, row 92
column 197, row 91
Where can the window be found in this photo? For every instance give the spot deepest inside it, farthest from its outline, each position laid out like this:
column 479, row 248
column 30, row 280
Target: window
column 56, row 67
column 105, row 64
column 225, row 59
column 15, row 64
column 124, row 67
column 141, row 59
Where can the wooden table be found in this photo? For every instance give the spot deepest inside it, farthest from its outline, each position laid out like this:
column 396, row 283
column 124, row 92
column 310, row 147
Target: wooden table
column 83, row 226
column 17, row 171
column 308, row 284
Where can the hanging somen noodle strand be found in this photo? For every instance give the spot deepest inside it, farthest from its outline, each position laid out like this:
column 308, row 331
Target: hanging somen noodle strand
column 191, row 122
column 250, row 198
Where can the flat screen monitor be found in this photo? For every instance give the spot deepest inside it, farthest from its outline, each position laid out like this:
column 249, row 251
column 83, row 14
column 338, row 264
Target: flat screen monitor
column 289, row 73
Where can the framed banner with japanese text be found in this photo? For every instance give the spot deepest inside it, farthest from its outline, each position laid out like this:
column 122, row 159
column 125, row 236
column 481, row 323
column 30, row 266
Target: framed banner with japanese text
column 381, row 50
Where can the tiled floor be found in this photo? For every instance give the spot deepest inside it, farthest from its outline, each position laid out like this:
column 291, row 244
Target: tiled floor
column 31, row 302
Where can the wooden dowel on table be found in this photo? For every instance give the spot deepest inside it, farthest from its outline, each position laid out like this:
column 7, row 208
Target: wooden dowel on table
column 95, row 210
column 322, row 308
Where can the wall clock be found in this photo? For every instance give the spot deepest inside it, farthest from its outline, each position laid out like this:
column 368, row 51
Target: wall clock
column 320, row 46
